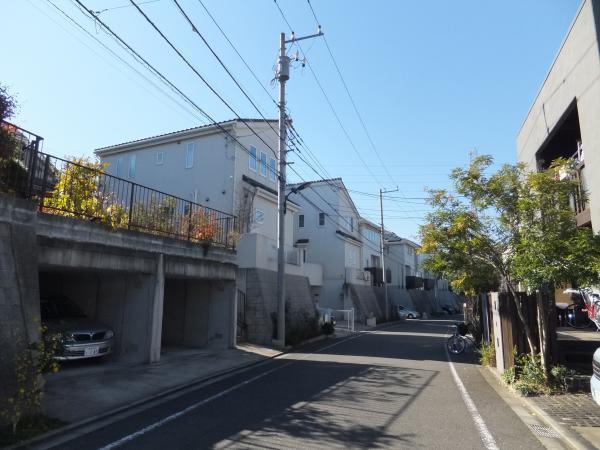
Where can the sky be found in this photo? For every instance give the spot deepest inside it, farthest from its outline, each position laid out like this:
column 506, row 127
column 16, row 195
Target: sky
column 432, row 81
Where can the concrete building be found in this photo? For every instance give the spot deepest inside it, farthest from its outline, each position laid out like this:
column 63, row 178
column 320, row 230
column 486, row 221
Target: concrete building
column 234, row 171
column 563, row 119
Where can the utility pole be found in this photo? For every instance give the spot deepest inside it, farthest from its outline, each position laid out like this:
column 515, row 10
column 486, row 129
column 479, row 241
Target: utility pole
column 282, row 75
column 381, row 249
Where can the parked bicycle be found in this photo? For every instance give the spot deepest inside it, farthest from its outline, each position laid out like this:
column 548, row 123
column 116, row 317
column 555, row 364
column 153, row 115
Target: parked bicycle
column 460, row 339
column 586, row 311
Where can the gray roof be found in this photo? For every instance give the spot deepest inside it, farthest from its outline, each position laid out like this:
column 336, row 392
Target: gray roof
column 185, row 130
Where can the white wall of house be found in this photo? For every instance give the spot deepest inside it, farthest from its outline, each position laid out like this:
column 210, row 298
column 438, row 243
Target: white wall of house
column 333, row 241
column 574, row 76
column 207, row 166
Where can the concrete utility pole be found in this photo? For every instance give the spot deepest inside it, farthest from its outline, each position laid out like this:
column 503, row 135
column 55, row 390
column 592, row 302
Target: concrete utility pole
column 282, row 75
column 381, row 249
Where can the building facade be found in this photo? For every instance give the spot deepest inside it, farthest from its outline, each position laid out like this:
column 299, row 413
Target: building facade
column 563, row 119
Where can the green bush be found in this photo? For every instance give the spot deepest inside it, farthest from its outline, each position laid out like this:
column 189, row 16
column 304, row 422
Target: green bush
column 301, row 328
column 527, row 376
column 509, row 376
column 487, row 354
column 559, row 374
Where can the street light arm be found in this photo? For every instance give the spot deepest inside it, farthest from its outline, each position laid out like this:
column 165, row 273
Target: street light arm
column 295, row 190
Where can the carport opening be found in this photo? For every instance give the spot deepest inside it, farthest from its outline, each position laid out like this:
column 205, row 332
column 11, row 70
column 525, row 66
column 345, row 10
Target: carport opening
column 185, row 314
column 110, row 301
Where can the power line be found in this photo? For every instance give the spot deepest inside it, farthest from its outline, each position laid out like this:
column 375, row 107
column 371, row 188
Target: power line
column 153, row 69
column 198, row 74
column 201, row 36
column 121, row 59
column 333, row 110
column 238, row 53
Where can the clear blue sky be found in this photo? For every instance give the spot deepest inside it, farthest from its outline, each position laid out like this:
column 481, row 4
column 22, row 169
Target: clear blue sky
column 432, row 80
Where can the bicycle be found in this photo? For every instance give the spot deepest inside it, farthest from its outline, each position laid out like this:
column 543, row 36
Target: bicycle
column 585, row 312
column 460, row 340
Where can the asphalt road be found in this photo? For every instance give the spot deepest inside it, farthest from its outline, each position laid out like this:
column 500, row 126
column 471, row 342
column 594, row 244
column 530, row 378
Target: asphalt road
column 392, row 388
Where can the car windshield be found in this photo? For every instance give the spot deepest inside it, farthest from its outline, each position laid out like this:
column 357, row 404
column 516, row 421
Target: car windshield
column 59, row 308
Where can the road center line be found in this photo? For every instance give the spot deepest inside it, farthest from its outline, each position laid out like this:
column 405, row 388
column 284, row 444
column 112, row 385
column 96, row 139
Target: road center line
column 487, row 438
column 155, row 425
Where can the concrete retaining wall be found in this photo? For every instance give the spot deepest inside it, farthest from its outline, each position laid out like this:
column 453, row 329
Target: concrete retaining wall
column 19, row 290
column 261, row 302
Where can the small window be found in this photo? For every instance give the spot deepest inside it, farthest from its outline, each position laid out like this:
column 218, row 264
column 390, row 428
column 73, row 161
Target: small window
column 252, row 158
column 303, row 255
column 259, row 216
column 321, row 219
column 351, row 221
column 263, row 164
column 301, row 221
column 132, row 166
column 189, row 155
column 160, row 158
column 273, row 169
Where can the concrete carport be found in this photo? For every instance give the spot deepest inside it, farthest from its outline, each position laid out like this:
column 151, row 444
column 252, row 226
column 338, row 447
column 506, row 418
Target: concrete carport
column 142, row 286
column 195, row 312
column 124, row 279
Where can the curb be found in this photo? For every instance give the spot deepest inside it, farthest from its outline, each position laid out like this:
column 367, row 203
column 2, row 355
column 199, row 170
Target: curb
column 571, row 437
column 136, row 404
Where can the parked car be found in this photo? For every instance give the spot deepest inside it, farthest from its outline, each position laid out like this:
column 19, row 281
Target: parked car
column 79, row 336
column 407, row 313
column 595, row 381
column 450, row 309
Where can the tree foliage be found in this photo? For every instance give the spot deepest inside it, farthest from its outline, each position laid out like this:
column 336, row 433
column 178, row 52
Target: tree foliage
column 511, row 226
column 78, row 194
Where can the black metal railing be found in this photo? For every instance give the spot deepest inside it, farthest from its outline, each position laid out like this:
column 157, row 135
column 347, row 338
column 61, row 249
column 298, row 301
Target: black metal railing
column 79, row 189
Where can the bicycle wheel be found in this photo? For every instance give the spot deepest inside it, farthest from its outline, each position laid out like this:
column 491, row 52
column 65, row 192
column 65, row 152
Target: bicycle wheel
column 456, row 344
column 577, row 316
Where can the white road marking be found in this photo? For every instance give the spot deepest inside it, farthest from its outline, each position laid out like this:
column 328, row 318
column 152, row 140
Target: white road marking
column 142, row 431
column 487, row 438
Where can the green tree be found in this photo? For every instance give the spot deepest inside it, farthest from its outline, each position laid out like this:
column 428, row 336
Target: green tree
column 512, row 225
column 78, row 194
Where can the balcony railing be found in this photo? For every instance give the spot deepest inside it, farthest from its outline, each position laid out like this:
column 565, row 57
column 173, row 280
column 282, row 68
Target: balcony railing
column 73, row 189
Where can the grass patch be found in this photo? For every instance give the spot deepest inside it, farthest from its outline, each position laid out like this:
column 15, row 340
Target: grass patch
column 29, row 427
column 487, row 354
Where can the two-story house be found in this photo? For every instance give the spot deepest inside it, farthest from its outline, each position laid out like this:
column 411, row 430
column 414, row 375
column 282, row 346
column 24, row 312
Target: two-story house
column 231, row 167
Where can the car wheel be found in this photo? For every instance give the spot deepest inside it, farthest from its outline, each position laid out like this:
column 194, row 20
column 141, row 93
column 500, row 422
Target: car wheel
column 410, row 316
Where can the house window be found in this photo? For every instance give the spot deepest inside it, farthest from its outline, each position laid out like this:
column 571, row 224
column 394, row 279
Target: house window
column 351, row 221
column 160, row 158
column 259, row 216
column 189, row 155
column 263, row 164
column 132, row 166
column 301, row 221
column 321, row 219
column 273, row 169
column 252, row 158
column 303, row 255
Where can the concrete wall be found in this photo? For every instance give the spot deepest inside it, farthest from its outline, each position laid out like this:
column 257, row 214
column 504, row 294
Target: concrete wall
column 19, row 291
column 261, row 302
column 120, row 301
column 117, row 277
column 574, row 76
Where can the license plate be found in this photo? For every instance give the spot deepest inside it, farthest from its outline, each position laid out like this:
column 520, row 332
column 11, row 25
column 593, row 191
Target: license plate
column 90, row 351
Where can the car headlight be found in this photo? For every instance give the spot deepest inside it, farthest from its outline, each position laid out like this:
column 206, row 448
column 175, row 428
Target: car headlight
column 109, row 334
column 68, row 337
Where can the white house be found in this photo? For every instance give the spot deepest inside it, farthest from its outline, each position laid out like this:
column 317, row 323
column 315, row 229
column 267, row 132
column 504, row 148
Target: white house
column 326, row 231
column 231, row 167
